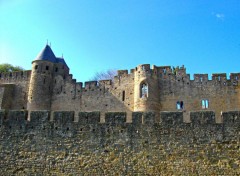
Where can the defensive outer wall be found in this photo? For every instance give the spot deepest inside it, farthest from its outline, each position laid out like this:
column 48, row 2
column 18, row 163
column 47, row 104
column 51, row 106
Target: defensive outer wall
column 151, row 121
column 146, row 146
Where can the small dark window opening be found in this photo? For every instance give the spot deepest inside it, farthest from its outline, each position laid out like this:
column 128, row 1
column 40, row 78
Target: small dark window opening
column 56, row 69
column 180, row 105
column 10, row 75
column 67, row 128
column 123, row 96
column 44, row 80
column 164, row 71
column 36, row 67
column 47, row 67
column 0, row 75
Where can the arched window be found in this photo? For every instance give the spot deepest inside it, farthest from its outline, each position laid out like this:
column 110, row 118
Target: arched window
column 144, row 90
column 179, row 105
column 205, row 104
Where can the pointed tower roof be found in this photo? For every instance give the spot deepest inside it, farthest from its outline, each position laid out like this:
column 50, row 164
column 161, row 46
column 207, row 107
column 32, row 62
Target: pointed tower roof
column 61, row 60
column 46, row 54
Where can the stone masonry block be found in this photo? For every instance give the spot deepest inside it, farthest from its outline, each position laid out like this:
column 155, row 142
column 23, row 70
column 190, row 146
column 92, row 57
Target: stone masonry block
column 137, row 118
column 62, row 118
column 171, row 118
column 231, row 117
column 115, row 117
column 17, row 117
column 89, row 117
column 149, row 118
column 38, row 119
column 2, row 114
column 202, row 117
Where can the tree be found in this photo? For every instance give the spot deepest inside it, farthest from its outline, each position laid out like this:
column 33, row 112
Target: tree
column 9, row 68
column 104, row 75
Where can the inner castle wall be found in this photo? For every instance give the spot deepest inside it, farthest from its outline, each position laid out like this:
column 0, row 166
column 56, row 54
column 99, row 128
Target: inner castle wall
column 166, row 87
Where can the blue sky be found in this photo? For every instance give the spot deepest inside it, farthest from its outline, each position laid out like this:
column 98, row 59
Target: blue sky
column 96, row 35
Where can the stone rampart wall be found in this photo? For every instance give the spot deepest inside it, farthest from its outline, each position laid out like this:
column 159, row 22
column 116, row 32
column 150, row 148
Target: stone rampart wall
column 54, row 143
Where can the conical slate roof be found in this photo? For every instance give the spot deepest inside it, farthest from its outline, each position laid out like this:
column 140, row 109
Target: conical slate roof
column 61, row 60
column 46, row 54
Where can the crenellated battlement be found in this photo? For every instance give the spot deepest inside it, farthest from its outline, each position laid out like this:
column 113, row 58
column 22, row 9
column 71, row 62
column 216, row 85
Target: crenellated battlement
column 15, row 119
column 15, row 76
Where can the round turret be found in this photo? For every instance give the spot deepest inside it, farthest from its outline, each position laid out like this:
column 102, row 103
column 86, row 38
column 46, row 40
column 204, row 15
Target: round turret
column 40, row 87
column 146, row 93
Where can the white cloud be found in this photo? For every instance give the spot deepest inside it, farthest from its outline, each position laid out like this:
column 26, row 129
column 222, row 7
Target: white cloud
column 219, row 16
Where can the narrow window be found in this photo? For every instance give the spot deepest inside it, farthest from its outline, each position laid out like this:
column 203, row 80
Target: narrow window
column 44, row 80
column 36, row 67
column 56, row 69
column 205, row 104
column 201, row 79
column 236, row 77
column 164, row 71
column 219, row 78
column 179, row 105
column 123, row 96
column 144, row 90
column 47, row 67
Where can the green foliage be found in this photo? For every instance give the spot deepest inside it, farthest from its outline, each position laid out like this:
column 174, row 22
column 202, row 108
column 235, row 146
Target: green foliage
column 9, row 68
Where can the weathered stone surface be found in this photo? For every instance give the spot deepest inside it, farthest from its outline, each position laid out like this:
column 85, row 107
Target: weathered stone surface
column 88, row 147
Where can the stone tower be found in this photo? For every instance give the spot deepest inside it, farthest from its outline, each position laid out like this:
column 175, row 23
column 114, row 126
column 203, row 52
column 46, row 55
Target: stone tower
column 146, row 93
column 40, row 89
column 44, row 68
